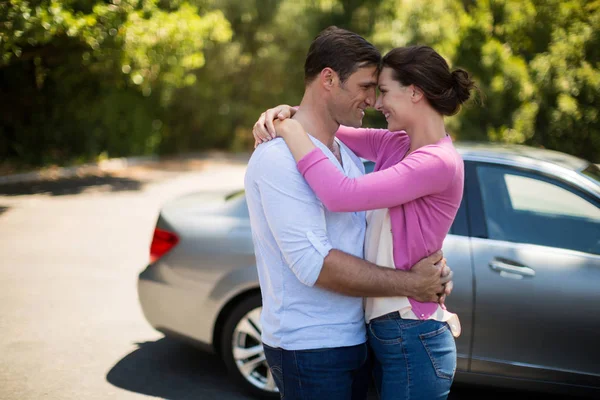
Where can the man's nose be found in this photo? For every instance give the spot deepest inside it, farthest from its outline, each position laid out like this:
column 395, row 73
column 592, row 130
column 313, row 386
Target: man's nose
column 370, row 100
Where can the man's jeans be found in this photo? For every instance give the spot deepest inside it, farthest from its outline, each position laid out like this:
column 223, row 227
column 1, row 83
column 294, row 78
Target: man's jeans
column 340, row 373
column 414, row 360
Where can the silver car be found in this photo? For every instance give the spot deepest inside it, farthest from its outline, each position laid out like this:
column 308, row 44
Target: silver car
column 525, row 250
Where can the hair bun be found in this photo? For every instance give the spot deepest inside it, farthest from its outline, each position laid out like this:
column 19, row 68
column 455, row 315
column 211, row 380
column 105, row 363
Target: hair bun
column 463, row 84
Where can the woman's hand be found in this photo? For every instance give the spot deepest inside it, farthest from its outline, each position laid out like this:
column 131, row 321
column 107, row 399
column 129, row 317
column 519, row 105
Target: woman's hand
column 287, row 127
column 296, row 138
column 264, row 129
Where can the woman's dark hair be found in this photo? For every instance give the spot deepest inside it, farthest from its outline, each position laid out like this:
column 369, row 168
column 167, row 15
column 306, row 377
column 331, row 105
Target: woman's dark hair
column 423, row 67
column 342, row 51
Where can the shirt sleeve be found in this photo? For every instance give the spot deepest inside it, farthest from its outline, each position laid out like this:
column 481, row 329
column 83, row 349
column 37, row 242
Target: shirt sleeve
column 425, row 171
column 364, row 142
column 294, row 214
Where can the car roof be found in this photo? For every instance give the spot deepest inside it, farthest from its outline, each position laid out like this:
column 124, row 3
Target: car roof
column 517, row 154
column 561, row 165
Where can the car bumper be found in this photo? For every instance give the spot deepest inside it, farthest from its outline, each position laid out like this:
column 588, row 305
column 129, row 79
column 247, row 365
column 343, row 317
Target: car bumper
column 176, row 308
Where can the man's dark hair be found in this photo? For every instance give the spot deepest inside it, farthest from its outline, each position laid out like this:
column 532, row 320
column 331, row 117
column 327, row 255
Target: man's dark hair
column 342, row 51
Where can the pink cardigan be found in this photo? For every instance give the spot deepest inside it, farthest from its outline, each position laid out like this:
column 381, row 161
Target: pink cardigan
column 422, row 190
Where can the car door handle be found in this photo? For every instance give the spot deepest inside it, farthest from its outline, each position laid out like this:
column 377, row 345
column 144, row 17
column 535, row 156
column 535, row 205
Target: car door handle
column 513, row 268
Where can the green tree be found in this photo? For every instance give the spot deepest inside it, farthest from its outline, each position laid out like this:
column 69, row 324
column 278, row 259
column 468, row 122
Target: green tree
column 536, row 62
column 83, row 78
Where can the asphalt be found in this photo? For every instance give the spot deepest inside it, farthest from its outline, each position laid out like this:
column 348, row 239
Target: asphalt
column 70, row 252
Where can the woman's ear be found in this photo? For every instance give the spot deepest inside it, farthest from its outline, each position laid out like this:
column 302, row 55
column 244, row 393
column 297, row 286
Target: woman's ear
column 416, row 94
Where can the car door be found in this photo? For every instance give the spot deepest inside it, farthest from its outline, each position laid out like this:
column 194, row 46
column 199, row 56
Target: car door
column 536, row 261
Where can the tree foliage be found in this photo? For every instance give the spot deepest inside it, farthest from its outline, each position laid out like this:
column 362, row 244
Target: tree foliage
column 80, row 79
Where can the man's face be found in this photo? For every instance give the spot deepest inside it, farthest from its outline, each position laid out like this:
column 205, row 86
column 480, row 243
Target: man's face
column 349, row 99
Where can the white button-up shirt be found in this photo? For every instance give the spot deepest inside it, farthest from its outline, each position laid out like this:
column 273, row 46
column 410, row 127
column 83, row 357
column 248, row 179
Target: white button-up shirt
column 292, row 234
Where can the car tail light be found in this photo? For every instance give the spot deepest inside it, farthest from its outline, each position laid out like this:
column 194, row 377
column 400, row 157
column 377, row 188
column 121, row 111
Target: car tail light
column 162, row 242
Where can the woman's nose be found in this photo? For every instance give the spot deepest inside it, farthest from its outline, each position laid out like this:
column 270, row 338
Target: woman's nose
column 378, row 103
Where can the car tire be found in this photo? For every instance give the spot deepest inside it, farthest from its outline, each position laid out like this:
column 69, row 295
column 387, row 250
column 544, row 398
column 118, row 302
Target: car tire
column 242, row 350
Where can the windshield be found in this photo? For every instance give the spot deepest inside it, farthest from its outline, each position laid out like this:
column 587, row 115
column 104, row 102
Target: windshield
column 592, row 171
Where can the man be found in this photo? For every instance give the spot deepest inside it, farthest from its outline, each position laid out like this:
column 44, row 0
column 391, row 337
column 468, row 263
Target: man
column 310, row 260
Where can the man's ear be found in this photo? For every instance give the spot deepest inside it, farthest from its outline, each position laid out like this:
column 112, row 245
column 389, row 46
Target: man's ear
column 416, row 94
column 328, row 78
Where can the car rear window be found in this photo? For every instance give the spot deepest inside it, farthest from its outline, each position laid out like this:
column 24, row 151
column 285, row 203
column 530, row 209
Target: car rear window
column 592, row 171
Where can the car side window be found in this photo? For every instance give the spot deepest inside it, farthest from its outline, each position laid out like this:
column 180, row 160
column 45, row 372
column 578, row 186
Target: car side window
column 529, row 208
column 527, row 194
column 460, row 225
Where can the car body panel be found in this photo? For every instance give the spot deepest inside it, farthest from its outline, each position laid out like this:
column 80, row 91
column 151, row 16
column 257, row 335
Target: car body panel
column 457, row 250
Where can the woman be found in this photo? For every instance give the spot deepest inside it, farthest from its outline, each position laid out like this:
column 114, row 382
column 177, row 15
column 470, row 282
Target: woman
column 412, row 198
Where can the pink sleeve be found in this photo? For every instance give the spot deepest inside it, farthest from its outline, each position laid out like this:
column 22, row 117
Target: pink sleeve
column 421, row 173
column 364, row 142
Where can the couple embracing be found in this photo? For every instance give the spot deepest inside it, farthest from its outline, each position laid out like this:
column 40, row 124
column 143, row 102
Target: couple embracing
column 352, row 277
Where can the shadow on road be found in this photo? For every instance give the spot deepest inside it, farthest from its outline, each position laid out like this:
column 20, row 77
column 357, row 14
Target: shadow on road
column 172, row 370
column 69, row 186
column 461, row 391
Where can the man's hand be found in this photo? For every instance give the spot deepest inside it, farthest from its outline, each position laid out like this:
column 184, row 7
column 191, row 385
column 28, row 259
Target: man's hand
column 448, row 286
column 264, row 129
column 431, row 278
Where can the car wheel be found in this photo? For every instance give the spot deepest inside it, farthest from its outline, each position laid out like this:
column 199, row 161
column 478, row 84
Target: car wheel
column 242, row 349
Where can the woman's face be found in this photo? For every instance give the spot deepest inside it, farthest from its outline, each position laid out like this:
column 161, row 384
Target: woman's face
column 394, row 101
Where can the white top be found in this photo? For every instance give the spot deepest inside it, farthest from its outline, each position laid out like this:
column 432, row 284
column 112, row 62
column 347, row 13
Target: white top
column 379, row 250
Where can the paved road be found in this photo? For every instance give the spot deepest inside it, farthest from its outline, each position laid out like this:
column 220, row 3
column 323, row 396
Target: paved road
column 71, row 327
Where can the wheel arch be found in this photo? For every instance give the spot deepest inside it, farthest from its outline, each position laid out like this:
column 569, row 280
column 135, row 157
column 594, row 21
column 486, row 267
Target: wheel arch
column 225, row 312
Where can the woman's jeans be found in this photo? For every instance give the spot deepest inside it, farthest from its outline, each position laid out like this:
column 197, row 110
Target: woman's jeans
column 340, row 373
column 414, row 359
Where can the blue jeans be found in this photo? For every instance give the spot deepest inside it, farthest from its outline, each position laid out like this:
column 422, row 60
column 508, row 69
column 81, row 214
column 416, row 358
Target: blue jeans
column 340, row 373
column 414, row 360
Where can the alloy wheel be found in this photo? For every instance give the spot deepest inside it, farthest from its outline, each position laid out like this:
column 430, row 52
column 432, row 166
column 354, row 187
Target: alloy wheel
column 248, row 352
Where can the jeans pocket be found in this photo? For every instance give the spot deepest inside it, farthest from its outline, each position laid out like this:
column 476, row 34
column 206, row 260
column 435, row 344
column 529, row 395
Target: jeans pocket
column 441, row 348
column 275, row 361
column 278, row 377
column 385, row 331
